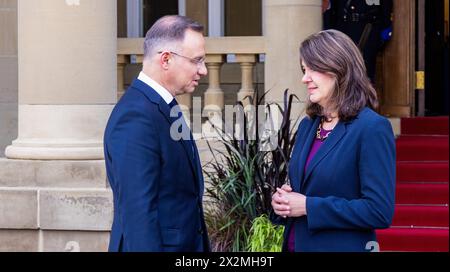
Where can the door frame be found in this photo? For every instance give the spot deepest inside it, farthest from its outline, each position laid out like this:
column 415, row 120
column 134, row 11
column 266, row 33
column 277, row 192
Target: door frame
column 399, row 63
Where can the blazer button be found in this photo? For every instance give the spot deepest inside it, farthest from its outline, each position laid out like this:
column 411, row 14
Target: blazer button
column 200, row 231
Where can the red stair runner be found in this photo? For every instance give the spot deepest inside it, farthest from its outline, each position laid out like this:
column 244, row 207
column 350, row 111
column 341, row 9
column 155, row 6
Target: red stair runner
column 421, row 218
column 413, row 239
column 425, row 126
column 422, row 148
column 422, row 171
column 421, row 193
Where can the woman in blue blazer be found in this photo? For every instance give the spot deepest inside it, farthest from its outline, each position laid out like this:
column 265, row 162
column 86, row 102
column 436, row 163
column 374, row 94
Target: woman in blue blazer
column 342, row 169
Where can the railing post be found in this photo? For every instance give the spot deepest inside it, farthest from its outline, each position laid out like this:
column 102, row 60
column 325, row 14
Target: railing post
column 121, row 62
column 214, row 96
column 247, row 62
column 185, row 102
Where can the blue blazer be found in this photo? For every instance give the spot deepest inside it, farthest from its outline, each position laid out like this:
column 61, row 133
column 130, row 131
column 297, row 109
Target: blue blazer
column 157, row 181
column 349, row 184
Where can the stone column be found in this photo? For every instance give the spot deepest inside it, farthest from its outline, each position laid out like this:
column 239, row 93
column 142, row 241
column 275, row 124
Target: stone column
column 287, row 23
column 53, row 190
column 247, row 63
column 121, row 63
column 185, row 102
column 8, row 73
column 214, row 96
column 67, row 78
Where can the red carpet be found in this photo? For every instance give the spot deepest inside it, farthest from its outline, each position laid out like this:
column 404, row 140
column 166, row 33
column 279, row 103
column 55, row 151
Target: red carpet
column 421, row 193
column 425, row 125
column 422, row 171
column 422, row 148
column 421, row 219
column 420, row 215
column 413, row 239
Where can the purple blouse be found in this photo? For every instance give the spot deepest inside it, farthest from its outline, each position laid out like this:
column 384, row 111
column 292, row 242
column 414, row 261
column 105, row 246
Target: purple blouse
column 314, row 148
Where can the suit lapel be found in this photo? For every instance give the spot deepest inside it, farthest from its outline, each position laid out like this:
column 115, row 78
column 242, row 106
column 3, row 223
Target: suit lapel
column 309, row 138
column 335, row 136
column 189, row 148
column 198, row 165
column 154, row 97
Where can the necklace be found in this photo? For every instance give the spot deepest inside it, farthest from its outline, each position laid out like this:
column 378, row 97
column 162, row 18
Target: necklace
column 319, row 135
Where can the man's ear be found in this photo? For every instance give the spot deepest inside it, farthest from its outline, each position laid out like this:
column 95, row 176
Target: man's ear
column 165, row 60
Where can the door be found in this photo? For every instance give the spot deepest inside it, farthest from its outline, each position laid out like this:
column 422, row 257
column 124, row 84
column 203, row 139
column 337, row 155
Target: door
column 398, row 64
column 436, row 59
column 420, row 42
column 243, row 18
column 155, row 9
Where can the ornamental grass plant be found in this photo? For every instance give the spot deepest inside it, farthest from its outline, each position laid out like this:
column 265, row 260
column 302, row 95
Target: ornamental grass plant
column 243, row 175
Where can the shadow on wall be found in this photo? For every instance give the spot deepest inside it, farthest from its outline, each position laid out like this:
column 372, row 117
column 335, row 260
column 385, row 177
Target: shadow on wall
column 8, row 124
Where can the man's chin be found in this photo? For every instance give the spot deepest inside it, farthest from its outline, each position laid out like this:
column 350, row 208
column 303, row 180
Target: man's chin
column 190, row 90
column 186, row 91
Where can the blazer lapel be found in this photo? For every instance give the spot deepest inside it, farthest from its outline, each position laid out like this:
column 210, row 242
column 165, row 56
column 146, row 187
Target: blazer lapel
column 155, row 98
column 165, row 110
column 188, row 147
column 335, row 136
column 198, row 165
column 304, row 151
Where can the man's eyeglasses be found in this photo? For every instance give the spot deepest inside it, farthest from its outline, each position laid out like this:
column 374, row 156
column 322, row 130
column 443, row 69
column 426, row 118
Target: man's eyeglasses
column 197, row 61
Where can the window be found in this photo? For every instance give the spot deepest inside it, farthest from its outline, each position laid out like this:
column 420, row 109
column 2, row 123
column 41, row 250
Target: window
column 243, row 18
column 220, row 17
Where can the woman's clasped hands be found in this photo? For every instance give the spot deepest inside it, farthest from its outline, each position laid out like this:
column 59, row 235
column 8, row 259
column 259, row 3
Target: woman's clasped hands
column 287, row 203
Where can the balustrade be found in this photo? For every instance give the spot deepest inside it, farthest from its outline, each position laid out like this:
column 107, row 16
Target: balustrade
column 245, row 49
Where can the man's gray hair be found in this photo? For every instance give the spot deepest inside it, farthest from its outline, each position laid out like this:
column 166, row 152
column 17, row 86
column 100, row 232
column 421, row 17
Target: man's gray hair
column 168, row 30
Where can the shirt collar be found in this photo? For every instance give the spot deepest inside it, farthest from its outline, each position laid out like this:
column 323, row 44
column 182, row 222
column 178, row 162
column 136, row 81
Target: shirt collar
column 163, row 92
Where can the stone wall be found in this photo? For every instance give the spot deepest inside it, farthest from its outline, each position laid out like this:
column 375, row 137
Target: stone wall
column 54, row 206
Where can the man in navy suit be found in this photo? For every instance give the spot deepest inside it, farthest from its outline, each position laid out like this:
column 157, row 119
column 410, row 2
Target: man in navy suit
column 152, row 161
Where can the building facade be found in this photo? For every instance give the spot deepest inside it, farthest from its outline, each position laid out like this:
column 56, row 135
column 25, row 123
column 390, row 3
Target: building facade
column 64, row 63
column 53, row 187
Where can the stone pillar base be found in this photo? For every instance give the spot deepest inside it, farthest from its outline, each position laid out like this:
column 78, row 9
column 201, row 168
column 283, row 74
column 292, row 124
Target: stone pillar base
column 214, row 100
column 245, row 96
column 53, row 153
column 60, row 132
column 13, row 240
column 54, row 206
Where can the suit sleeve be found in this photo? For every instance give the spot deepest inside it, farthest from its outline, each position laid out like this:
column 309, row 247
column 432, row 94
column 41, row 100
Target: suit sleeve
column 134, row 149
column 375, row 207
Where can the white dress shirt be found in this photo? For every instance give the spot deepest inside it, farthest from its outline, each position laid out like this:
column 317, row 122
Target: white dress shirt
column 163, row 92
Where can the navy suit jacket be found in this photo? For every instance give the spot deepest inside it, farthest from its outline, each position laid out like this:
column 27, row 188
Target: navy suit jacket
column 157, row 181
column 349, row 184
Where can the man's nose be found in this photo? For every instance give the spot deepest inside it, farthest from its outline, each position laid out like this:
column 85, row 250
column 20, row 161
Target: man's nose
column 202, row 70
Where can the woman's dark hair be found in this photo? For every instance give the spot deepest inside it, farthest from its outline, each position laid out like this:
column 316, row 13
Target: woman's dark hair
column 334, row 53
